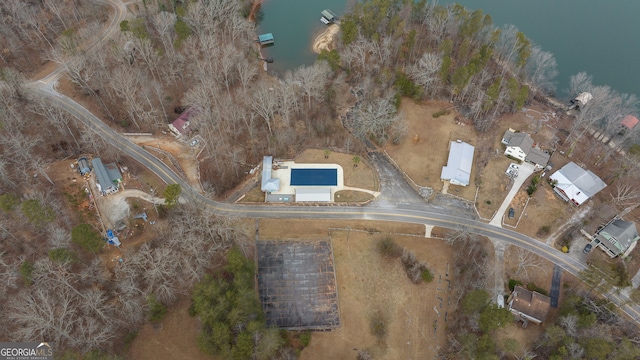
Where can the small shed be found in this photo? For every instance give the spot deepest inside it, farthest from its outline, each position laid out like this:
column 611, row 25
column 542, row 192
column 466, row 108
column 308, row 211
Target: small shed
column 266, row 39
column 83, row 166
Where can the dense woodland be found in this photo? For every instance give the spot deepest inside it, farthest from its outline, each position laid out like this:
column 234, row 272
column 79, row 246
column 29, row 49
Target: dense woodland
column 202, row 54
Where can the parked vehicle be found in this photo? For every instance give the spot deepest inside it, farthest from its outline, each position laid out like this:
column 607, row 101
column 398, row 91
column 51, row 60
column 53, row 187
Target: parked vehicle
column 587, row 248
column 512, row 213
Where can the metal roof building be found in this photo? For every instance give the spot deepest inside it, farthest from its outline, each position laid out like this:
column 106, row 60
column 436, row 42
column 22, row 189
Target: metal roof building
column 458, row 169
column 104, row 181
column 576, row 184
column 83, row 166
column 266, row 39
column 268, row 184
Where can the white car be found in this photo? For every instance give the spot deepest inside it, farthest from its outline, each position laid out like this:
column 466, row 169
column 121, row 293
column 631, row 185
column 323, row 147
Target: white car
column 194, row 142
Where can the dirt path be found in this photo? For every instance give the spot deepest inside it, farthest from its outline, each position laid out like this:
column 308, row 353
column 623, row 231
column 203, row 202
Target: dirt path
column 254, row 9
column 325, row 40
column 115, row 208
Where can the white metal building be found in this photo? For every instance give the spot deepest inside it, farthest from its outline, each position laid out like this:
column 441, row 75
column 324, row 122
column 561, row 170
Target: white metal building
column 458, row 169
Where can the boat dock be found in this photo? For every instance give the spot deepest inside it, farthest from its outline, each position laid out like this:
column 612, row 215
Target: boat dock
column 328, row 17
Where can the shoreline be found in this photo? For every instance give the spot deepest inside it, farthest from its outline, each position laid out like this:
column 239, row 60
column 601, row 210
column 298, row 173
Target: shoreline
column 325, row 40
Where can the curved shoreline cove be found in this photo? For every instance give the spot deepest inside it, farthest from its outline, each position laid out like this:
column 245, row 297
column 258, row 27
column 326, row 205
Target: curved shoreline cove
column 593, row 36
column 294, row 24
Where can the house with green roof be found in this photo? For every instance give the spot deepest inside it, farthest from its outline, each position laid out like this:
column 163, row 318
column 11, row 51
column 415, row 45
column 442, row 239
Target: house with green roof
column 617, row 237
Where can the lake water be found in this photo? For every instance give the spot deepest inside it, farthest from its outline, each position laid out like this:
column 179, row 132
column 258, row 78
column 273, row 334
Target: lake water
column 597, row 36
column 294, row 25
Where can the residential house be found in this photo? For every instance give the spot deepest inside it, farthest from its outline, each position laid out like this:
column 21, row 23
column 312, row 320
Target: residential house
column 628, row 123
column 575, row 184
column 108, row 177
column 180, row 126
column 458, row 169
column 521, row 146
column 528, row 305
column 617, row 237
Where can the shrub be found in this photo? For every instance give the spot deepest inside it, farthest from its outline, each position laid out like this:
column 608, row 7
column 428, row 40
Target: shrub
column 427, row 276
column 535, row 180
column 171, row 195
column 8, row 202
column 406, row 87
column 513, row 283
column 128, row 339
column 531, row 189
column 26, row 271
column 36, row 213
column 305, row 338
column 544, row 230
column 378, row 325
column 536, row 288
column 388, row 248
column 62, row 255
column 440, row 113
column 156, row 310
column 87, row 238
column 415, row 269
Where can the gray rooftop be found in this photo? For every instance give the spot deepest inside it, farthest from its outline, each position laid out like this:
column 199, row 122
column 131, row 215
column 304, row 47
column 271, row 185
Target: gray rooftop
column 538, row 157
column 101, row 173
column 268, row 184
column 588, row 182
column 522, row 140
column 623, row 233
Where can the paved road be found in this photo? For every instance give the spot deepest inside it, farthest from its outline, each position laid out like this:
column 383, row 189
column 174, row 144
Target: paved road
column 412, row 210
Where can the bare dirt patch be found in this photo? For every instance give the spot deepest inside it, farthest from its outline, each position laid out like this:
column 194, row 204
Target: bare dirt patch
column 361, row 176
column 425, row 149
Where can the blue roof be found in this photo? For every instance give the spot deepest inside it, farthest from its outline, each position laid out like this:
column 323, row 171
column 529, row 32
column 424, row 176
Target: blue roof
column 265, row 37
column 314, row 177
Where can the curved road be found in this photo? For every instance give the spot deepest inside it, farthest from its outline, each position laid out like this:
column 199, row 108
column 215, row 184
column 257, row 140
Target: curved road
column 413, row 213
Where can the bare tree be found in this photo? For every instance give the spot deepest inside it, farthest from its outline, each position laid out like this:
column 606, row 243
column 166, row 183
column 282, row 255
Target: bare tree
column 264, row 103
column 626, row 193
column 527, row 261
column 374, row 119
column 570, row 324
column 425, row 72
column 542, row 70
